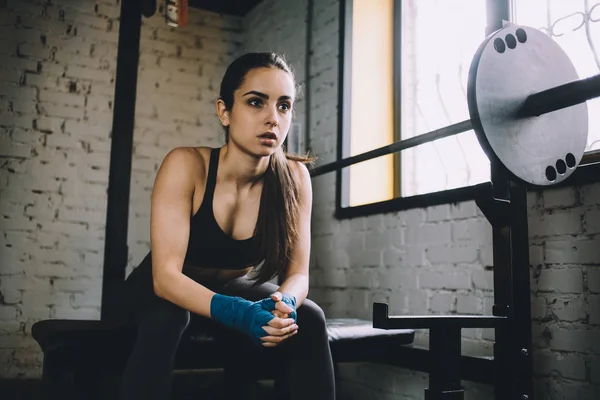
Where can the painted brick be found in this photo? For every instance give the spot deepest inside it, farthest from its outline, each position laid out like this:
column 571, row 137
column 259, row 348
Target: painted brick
column 472, row 231
column 418, row 302
column 536, row 254
column 483, row 280
column 539, row 308
column 595, row 371
column 590, row 194
column 568, row 309
column 594, row 303
column 463, row 210
column 76, row 72
column 398, row 278
column 571, row 390
column 594, row 280
column 573, row 340
column 555, row 224
column 444, row 280
column 452, row 254
column 442, row 303
column 438, row 213
column 48, row 124
column 53, row 110
column 563, row 197
column 591, row 221
column 582, row 251
column 561, row 280
column 570, row 366
column 468, row 305
column 428, row 234
column 71, row 100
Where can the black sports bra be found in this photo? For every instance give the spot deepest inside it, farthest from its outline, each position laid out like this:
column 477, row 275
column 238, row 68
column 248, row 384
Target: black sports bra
column 208, row 245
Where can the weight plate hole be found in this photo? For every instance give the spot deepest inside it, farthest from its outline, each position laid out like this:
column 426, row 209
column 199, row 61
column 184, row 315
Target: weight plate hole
column 550, row 173
column 511, row 42
column 499, row 45
column 570, row 160
column 521, row 35
column 561, row 167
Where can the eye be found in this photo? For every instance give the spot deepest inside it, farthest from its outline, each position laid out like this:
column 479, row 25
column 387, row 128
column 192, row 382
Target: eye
column 256, row 102
column 285, row 106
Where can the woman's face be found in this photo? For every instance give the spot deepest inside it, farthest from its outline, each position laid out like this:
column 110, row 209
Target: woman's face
column 262, row 111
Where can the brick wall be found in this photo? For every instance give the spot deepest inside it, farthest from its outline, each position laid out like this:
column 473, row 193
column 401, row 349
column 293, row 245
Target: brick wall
column 280, row 26
column 179, row 79
column 57, row 69
column 56, row 87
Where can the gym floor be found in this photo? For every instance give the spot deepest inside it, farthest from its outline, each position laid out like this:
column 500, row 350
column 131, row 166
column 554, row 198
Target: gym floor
column 186, row 386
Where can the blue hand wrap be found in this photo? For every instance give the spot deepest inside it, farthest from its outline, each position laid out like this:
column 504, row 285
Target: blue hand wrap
column 238, row 313
column 288, row 299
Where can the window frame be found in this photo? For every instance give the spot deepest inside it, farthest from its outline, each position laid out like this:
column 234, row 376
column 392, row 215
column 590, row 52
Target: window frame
column 497, row 11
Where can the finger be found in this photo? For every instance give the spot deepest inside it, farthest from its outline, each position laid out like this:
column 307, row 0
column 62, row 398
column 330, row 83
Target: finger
column 277, row 296
column 280, row 332
column 281, row 323
column 279, row 314
column 281, row 306
column 276, row 339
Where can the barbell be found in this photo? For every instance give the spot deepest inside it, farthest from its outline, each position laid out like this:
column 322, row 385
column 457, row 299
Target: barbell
column 527, row 107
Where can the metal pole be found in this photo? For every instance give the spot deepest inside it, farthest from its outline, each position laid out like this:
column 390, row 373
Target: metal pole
column 560, row 97
column 117, row 213
column 395, row 147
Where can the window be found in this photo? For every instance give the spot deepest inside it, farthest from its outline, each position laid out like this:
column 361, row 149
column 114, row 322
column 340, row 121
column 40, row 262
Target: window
column 575, row 26
column 405, row 66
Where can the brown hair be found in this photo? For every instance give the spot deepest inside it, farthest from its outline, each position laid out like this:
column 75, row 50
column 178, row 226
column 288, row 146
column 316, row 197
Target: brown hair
column 278, row 216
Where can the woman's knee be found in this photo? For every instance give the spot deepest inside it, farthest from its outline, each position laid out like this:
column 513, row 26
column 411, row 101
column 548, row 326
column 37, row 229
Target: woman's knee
column 165, row 316
column 311, row 314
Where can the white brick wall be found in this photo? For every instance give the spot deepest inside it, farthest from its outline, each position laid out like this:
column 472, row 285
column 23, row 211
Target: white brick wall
column 284, row 32
column 56, row 88
column 57, row 67
column 179, row 78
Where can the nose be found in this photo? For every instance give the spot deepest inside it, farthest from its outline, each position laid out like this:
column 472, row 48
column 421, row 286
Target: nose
column 272, row 118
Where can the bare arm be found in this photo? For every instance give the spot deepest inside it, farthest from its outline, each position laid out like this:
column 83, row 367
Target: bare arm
column 170, row 228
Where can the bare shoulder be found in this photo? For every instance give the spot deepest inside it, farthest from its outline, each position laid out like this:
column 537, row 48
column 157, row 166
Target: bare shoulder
column 190, row 160
column 301, row 175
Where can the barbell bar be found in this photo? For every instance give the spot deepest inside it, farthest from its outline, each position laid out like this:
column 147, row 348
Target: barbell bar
column 560, row 97
column 527, row 107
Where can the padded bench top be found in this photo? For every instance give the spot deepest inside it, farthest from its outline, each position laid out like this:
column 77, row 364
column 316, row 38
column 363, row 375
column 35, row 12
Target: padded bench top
column 339, row 330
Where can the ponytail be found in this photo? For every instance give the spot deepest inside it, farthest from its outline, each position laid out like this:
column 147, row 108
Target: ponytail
column 279, row 215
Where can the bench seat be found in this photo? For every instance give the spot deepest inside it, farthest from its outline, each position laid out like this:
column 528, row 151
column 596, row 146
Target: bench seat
column 90, row 355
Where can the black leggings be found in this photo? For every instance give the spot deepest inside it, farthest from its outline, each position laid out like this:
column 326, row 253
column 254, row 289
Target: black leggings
column 305, row 357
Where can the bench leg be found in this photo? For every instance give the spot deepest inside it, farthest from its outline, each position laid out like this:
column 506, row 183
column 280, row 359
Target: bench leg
column 57, row 379
column 444, row 373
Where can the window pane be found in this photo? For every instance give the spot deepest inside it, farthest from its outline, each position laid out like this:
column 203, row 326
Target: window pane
column 439, row 40
column 371, row 111
column 575, row 26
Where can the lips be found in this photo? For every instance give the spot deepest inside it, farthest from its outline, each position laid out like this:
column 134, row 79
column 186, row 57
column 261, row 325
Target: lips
column 268, row 135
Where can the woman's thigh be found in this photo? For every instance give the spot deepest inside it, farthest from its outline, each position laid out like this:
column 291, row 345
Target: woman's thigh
column 244, row 287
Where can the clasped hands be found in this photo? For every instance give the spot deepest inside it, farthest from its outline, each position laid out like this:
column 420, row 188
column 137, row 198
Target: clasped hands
column 283, row 326
column 268, row 322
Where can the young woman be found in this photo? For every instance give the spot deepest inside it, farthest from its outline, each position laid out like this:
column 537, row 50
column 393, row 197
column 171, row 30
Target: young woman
column 224, row 222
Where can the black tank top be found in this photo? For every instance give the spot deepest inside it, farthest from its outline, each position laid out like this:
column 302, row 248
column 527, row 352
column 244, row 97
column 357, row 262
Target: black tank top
column 208, row 245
